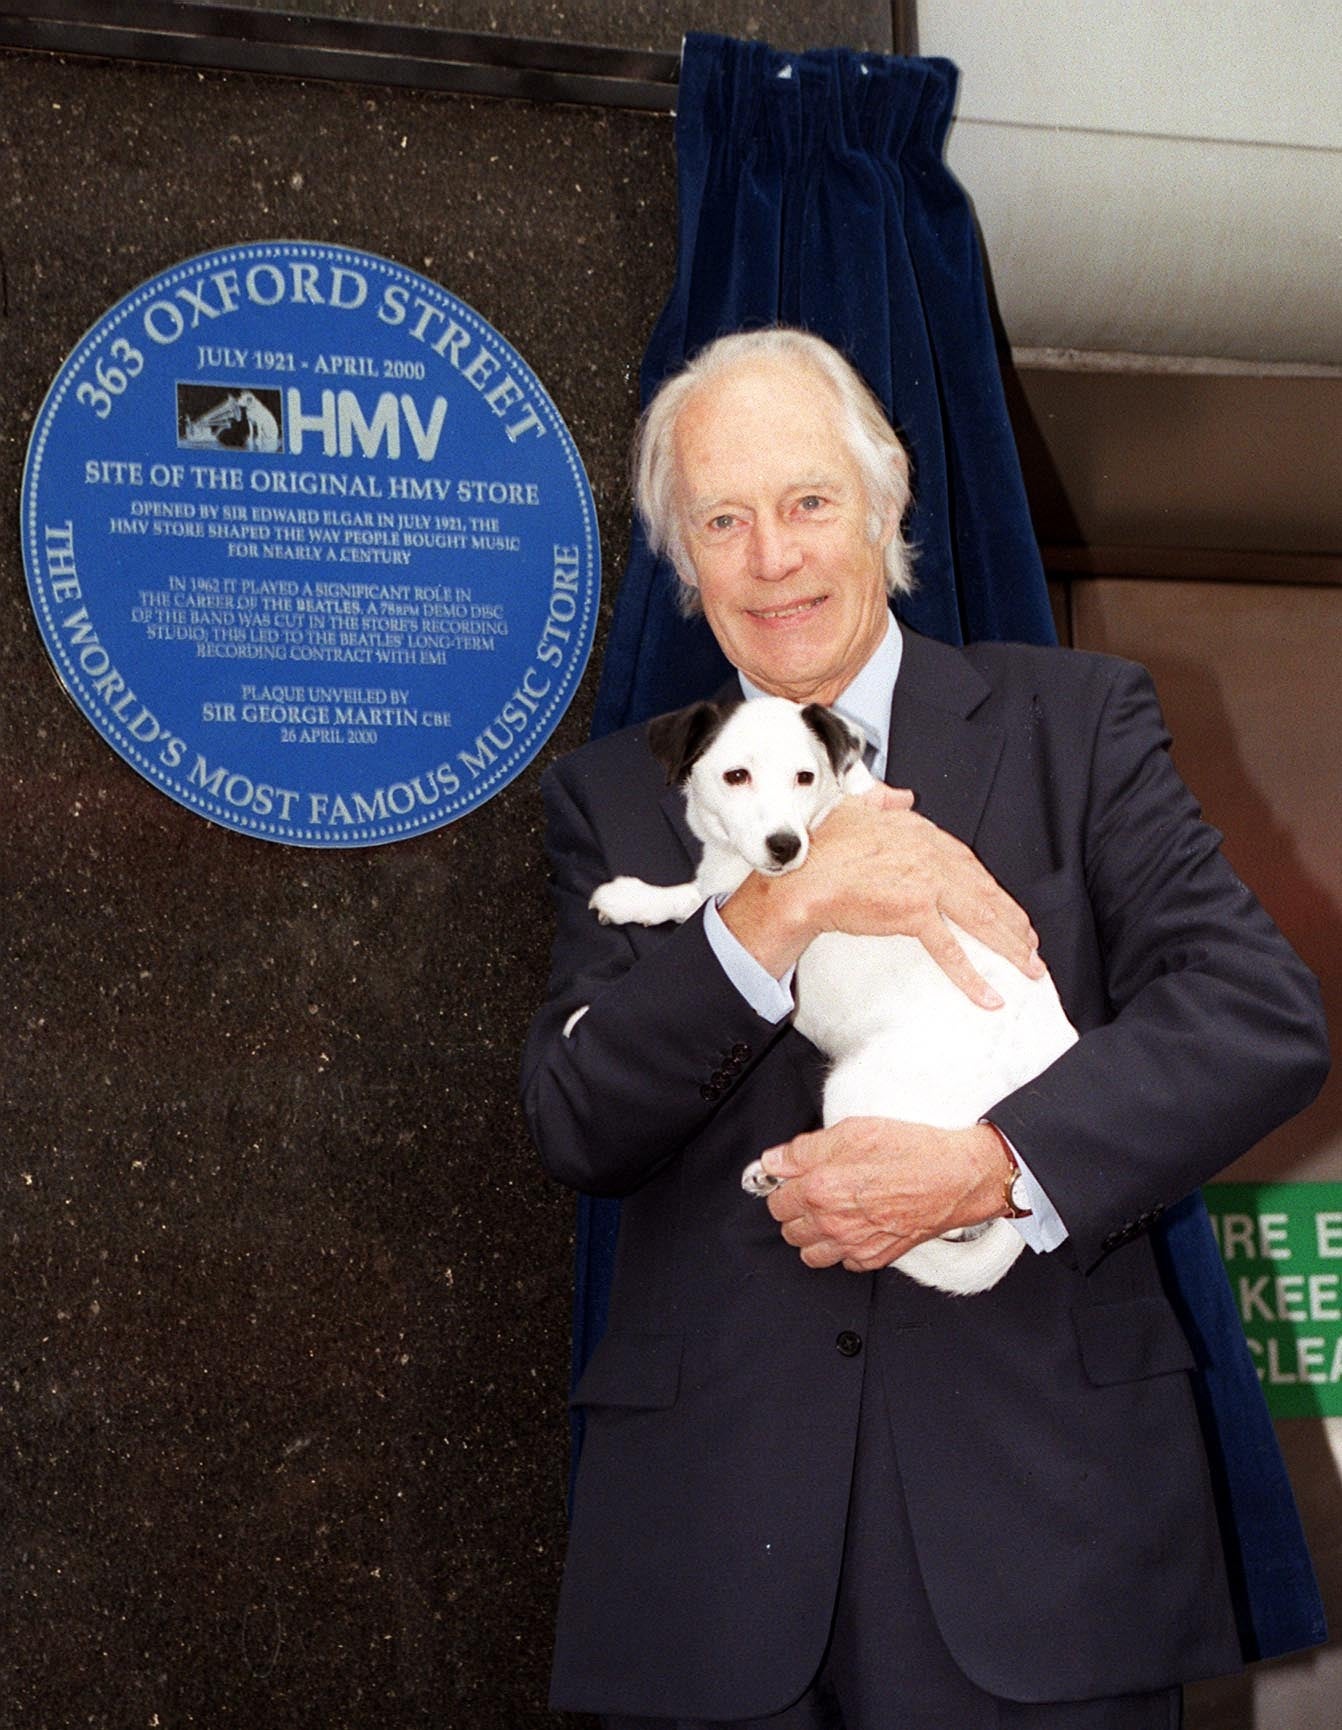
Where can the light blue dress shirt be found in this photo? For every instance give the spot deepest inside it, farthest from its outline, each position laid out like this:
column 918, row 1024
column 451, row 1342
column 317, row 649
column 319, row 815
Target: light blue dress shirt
column 865, row 705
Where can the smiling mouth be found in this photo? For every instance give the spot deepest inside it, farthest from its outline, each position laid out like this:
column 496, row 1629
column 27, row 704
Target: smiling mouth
column 797, row 610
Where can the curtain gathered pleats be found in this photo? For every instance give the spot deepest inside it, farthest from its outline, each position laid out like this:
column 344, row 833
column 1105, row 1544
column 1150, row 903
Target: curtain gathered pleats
column 813, row 193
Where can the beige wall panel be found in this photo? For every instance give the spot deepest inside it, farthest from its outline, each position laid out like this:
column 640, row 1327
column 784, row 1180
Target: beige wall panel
column 1248, row 676
column 1168, row 459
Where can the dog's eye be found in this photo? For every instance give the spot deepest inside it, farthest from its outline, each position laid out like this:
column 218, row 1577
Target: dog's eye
column 736, row 777
column 805, row 777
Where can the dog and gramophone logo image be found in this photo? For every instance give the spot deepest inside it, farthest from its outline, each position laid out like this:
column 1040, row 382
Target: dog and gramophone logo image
column 309, row 544
column 214, row 417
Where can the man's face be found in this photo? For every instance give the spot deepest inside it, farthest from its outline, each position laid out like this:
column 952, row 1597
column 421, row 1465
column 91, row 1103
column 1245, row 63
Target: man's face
column 774, row 517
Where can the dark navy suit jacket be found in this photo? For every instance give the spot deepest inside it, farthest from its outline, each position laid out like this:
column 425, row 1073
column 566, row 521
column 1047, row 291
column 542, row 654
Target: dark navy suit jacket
column 1046, row 1433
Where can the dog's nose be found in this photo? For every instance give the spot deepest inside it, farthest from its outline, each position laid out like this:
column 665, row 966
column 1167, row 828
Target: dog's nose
column 783, row 846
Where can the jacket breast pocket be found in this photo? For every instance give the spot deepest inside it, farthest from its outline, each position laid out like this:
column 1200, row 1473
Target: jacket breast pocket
column 1130, row 1340
column 640, row 1371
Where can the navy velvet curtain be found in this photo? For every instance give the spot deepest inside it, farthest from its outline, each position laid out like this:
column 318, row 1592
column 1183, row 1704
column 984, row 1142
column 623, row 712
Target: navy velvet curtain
column 813, row 193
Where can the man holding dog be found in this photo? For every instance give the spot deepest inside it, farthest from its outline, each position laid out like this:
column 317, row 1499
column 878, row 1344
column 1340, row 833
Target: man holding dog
column 812, row 1493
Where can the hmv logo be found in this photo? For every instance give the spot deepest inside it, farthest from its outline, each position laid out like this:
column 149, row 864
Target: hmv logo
column 343, row 426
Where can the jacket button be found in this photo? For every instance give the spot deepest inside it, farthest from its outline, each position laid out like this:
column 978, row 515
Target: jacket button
column 708, row 1091
column 849, row 1343
column 740, row 1052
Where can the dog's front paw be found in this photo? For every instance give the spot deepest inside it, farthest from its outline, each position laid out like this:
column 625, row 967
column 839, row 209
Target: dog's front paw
column 631, row 901
column 756, row 1181
column 622, row 901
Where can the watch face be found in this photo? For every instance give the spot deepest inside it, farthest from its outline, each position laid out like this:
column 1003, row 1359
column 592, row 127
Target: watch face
column 1019, row 1195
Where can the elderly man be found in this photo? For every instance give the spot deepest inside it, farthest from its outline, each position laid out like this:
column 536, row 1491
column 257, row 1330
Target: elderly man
column 813, row 1493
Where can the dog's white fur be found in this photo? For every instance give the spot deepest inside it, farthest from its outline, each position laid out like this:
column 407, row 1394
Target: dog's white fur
column 904, row 1042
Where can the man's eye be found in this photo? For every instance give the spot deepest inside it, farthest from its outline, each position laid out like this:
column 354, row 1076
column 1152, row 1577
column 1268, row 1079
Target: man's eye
column 721, row 523
column 805, row 777
column 812, row 502
column 736, row 777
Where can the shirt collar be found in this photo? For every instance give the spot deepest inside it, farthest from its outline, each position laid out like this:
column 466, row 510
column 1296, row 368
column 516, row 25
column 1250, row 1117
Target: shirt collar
column 865, row 703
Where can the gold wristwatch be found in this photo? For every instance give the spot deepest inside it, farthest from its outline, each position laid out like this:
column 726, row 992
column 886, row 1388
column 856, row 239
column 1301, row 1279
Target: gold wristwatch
column 1015, row 1192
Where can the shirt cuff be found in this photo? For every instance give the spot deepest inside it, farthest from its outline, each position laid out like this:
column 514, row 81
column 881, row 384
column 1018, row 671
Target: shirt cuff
column 770, row 998
column 1042, row 1227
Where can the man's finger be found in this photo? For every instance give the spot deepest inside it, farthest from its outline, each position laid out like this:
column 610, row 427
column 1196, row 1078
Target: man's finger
column 1014, row 941
column 790, row 1158
column 785, row 1204
column 889, row 798
column 875, row 1260
column 1004, row 927
column 975, row 901
column 801, row 1232
column 942, row 946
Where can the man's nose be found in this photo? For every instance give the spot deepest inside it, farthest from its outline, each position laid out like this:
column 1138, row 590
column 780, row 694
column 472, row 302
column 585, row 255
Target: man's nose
column 775, row 550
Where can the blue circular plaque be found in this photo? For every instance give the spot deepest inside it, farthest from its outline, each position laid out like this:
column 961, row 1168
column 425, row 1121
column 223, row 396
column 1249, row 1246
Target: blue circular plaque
column 309, row 544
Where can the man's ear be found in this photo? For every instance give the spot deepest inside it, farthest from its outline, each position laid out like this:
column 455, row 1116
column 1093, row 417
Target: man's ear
column 842, row 745
column 678, row 740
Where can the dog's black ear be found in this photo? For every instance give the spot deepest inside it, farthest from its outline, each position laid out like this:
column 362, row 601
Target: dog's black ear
column 841, row 743
column 678, row 740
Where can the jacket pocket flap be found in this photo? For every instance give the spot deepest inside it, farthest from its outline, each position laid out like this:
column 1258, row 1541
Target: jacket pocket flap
column 632, row 1370
column 1124, row 1342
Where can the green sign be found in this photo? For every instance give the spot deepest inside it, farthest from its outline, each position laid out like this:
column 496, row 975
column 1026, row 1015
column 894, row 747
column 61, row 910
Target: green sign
column 1282, row 1248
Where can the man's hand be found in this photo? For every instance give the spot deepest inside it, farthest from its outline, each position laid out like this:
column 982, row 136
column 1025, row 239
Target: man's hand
column 876, row 868
column 869, row 1188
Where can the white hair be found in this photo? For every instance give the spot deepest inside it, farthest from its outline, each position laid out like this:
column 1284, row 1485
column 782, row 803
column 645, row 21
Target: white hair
column 871, row 440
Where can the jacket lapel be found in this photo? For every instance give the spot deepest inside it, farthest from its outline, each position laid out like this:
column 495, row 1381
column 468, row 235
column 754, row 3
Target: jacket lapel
column 937, row 746
column 673, row 809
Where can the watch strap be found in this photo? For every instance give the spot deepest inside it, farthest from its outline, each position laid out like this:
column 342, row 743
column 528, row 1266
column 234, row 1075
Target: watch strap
column 1013, row 1183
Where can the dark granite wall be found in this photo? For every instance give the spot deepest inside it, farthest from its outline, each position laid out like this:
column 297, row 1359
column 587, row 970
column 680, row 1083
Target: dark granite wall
column 285, row 1297
column 644, row 24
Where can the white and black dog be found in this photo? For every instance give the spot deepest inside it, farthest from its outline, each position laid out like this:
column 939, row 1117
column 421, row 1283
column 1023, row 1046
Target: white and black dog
column 903, row 1041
